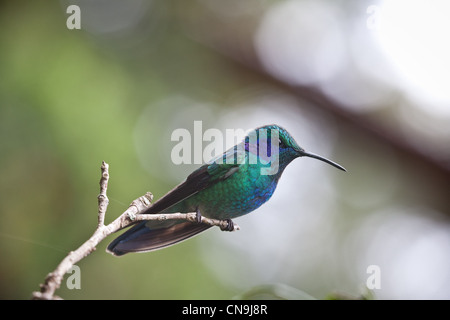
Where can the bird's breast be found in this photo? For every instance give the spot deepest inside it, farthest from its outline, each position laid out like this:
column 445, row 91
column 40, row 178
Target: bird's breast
column 240, row 194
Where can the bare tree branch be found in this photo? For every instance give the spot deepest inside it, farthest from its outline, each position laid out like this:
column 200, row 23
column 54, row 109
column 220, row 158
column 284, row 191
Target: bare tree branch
column 127, row 218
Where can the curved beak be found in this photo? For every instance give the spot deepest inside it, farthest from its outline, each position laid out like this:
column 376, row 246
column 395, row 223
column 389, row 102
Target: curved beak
column 303, row 153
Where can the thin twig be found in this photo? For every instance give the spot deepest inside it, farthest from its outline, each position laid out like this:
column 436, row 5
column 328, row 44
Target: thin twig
column 103, row 200
column 127, row 218
column 191, row 216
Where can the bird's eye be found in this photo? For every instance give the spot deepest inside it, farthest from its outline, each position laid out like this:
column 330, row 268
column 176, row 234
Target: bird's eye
column 281, row 143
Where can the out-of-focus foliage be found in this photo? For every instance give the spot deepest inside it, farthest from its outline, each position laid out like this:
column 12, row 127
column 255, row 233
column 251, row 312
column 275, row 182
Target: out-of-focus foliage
column 116, row 89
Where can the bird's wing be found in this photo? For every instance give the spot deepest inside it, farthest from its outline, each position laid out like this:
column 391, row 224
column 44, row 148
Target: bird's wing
column 146, row 236
column 207, row 175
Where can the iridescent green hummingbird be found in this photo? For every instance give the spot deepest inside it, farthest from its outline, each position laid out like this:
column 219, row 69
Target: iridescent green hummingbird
column 227, row 187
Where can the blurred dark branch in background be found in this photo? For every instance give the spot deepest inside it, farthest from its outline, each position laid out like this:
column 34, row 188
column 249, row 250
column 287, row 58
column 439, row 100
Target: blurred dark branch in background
column 232, row 38
column 352, row 121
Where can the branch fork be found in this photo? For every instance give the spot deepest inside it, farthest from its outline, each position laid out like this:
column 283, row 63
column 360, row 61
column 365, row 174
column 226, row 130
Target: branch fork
column 127, row 218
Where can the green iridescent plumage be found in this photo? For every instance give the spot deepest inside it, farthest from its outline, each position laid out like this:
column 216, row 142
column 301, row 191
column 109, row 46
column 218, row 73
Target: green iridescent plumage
column 234, row 184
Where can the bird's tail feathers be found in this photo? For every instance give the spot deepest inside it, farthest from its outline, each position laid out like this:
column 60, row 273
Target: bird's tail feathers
column 141, row 238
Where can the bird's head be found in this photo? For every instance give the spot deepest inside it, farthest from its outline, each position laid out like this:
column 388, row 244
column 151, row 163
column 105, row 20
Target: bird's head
column 277, row 148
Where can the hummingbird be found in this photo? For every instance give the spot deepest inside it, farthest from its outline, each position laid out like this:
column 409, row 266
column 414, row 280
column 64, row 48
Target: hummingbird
column 231, row 185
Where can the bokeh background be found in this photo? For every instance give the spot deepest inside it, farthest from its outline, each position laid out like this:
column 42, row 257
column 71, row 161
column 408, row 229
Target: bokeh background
column 364, row 83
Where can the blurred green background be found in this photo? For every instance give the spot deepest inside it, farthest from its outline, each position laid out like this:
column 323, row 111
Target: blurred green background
column 364, row 83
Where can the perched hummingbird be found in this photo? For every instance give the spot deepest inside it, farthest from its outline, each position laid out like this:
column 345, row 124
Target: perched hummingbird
column 229, row 186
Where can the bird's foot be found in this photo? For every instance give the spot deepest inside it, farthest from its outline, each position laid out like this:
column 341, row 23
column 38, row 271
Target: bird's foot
column 198, row 216
column 229, row 226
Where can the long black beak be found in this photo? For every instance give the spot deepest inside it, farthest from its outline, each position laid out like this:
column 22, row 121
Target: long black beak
column 315, row 156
